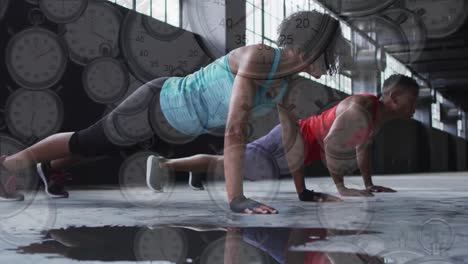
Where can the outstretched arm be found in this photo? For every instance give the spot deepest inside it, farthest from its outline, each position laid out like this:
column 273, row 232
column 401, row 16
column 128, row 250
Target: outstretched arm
column 299, row 181
column 243, row 93
column 363, row 154
column 337, row 177
column 293, row 145
column 348, row 130
column 364, row 158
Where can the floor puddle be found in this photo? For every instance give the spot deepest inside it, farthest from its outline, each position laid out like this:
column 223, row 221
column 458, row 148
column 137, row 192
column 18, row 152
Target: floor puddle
column 196, row 244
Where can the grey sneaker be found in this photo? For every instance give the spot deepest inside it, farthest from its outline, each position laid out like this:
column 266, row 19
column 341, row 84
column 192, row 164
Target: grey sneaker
column 155, row 175
column 8, row 186
column 195, row 180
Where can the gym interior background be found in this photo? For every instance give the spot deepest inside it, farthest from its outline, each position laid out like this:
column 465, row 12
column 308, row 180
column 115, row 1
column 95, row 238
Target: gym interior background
column 91, row 54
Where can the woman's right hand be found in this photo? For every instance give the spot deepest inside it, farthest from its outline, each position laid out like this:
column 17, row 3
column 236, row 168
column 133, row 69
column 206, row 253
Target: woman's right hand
column 241, row 204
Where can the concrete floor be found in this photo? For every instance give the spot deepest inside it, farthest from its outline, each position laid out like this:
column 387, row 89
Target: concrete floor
column 425, row 221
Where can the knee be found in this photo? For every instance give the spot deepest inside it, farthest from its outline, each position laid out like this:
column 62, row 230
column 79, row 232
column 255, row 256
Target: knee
column 220, row 160
column 64, row 137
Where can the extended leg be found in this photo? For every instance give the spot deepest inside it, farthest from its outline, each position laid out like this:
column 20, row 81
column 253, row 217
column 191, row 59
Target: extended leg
column 72, row 160
column 196, row 163
column 53, row 147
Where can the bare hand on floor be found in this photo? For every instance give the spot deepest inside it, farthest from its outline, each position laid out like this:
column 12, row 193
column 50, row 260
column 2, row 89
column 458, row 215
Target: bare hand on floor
column 375, row 188
column 355, row 192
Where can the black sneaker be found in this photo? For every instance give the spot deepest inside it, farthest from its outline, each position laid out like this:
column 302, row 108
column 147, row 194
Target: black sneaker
column 195, row 180
column 8, row 185
column 54, row 181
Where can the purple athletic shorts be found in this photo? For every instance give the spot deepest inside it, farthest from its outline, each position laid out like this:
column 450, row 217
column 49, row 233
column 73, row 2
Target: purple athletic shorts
column 264, row 157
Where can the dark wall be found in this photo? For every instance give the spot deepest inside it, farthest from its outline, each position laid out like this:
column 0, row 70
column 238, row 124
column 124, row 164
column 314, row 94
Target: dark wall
column 397, row 147
column 411, row 147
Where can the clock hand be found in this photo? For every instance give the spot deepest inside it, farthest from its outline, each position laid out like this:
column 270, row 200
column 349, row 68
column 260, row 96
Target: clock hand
column 42, row 54
column 34, row 50
column 101, row 36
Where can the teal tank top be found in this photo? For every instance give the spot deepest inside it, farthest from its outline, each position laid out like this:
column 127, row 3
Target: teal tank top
column 198, row 102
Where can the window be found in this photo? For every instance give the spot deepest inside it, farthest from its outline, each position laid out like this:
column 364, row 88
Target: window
column 461, row 127
column 168, row 11
column 263, row 19
column 394, row 66
column 436, row 108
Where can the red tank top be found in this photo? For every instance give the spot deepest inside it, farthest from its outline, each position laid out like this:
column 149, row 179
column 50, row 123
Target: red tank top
column 315, row 128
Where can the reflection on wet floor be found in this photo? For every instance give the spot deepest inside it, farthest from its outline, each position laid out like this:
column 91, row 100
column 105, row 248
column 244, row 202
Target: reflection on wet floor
column 196, row 244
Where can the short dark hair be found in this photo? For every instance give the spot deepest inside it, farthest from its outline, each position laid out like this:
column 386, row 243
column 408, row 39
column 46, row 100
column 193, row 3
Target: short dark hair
column 400, row 83
column 304, row 32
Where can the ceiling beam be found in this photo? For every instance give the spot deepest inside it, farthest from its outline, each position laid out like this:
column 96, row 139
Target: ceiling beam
column 440, row 66
column 436, row 55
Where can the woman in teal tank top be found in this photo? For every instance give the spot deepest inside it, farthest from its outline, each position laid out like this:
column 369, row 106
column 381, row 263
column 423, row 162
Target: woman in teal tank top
column 231, row 89
column 223, row 95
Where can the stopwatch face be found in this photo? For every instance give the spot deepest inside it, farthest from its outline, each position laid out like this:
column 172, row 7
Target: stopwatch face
column 142, row 51
column 359, row 7
column 161, row 30
column 413, row 27
column 213, row 27
column 385, row 32
column 436, row 235
column 442, row 18
column 161, row 243
column 95, row 33
column 32, row 115
column 246, row 253
column 36, row 58
column 105, row 80
column 132, row 180
column 135, row 127
column 63, row 11
column 214, row 30
column 112, row 133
